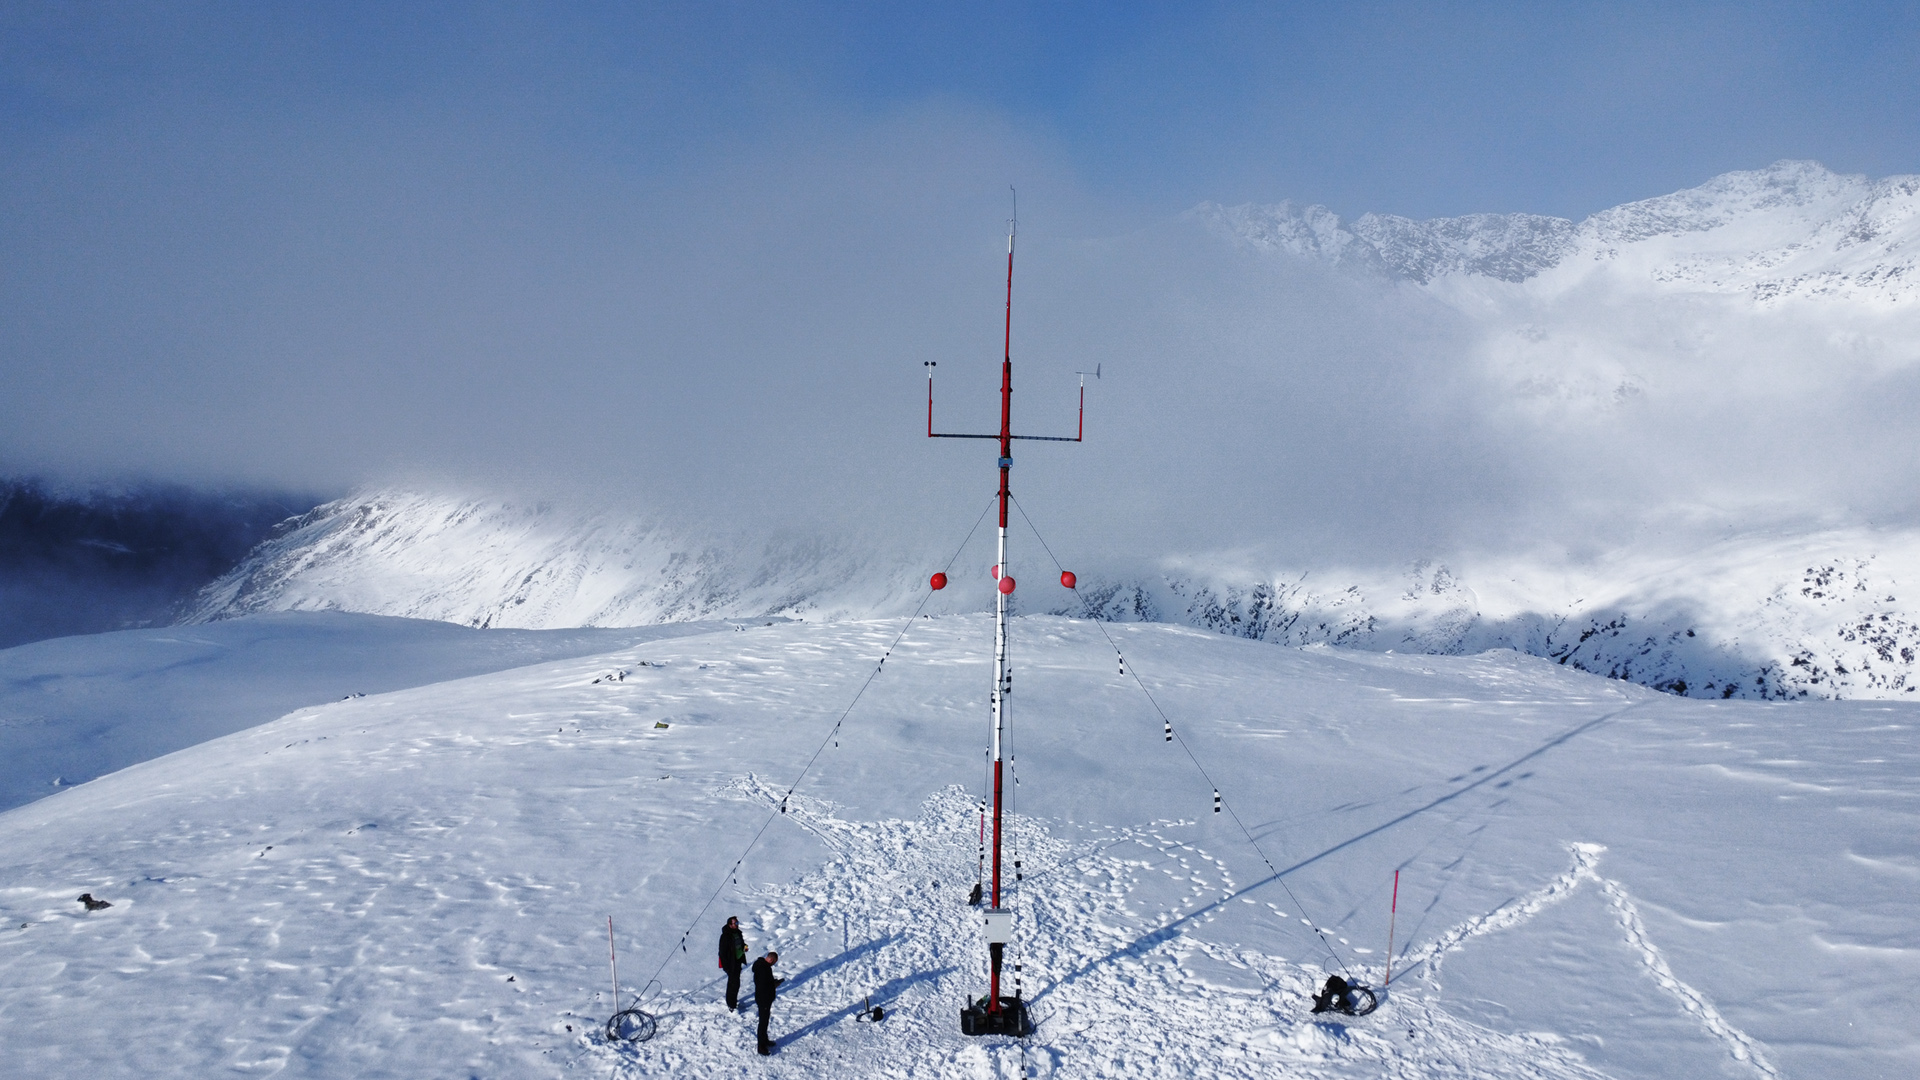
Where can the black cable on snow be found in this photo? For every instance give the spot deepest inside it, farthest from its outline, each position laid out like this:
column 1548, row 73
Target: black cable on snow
column 681, row 945
column 1191, row 756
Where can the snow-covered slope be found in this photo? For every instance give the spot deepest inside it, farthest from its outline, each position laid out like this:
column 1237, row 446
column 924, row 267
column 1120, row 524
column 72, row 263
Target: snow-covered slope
column 1596, row 880
column 75, row 708
column 497, row 563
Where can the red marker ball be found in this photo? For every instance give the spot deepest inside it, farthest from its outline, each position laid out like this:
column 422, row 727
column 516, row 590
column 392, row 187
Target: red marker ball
column 1006, row 585
column 995, row 571
column 1067, row 579
column 938, row 581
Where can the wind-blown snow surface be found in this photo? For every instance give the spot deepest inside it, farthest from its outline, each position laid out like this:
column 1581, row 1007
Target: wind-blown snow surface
column 75, row 708
column 1597, row 880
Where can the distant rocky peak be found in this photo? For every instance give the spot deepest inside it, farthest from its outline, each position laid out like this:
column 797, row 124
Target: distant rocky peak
column 1888, row 205
column 1804, row 186
column 1312, row 231
column 1509, row 247
column 1787, row 207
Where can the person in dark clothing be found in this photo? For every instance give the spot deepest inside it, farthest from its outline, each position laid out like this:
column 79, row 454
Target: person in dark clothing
column 764, row 985
column 733, row 956
column 1333, row 997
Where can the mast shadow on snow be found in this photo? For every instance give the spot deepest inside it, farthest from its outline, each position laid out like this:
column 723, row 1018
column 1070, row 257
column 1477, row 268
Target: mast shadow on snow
column 832, row 963
column 1168, row 931
column 883, row 995
column 1558, row 740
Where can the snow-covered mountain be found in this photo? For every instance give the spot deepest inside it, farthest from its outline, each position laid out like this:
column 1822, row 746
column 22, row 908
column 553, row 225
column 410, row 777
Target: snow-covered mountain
column 1794, row 229
column 1785, row 296
column 1770, row 615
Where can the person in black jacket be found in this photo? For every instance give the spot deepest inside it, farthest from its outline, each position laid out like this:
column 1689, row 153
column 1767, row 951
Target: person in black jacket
column 763, row 987
column 733, row 956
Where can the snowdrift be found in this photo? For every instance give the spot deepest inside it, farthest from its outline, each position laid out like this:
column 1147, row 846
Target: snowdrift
column 1596, row 879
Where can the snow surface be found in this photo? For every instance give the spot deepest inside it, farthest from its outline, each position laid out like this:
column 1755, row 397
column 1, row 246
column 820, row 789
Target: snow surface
column 75, row 708
column 1598, row 880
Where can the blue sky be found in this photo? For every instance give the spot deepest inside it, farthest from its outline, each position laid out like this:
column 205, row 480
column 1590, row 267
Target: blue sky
column 1419, row 109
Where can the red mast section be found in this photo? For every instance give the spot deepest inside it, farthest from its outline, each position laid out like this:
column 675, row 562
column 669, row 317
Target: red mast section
column 996, row 1014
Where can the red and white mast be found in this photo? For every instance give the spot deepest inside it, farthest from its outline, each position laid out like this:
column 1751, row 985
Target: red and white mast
column 996, row 1014
column 1000, row 921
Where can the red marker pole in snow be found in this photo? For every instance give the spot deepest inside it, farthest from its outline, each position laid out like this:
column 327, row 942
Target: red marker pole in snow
column 1392, row 918
column 995, row 1015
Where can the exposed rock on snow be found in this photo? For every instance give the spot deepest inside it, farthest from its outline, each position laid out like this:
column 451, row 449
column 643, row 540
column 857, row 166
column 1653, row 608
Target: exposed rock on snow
column 1771, row 617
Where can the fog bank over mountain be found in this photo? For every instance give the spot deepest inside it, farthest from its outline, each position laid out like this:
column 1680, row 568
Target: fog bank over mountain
column 1647, row 444
column 1281, row 386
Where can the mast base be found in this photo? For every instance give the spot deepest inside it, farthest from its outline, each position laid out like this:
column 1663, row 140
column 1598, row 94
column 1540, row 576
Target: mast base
column 1009, row 1019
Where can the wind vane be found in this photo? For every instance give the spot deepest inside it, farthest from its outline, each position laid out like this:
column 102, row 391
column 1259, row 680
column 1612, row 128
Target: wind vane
column 995, row 1014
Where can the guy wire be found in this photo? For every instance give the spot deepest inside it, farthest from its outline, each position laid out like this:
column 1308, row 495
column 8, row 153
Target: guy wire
column 1191, row 756
column 781, row 808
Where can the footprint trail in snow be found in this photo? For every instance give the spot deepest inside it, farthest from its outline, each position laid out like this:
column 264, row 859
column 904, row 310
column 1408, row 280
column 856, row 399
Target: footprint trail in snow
column 1118, row 989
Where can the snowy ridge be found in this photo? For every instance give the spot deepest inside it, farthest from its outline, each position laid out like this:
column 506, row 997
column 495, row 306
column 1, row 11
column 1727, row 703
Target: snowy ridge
column 1792, row 229
column 1770, row 616
column 494, row 563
